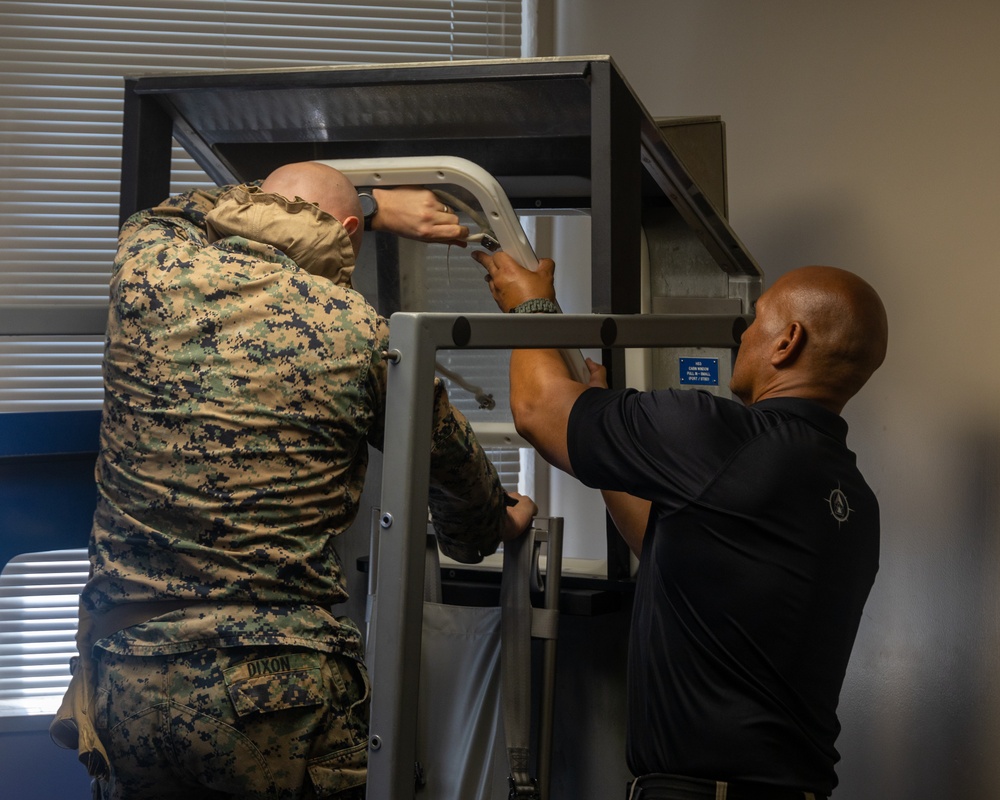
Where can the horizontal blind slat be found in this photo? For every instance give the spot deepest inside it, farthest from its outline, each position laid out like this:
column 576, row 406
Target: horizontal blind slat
column 39, row 594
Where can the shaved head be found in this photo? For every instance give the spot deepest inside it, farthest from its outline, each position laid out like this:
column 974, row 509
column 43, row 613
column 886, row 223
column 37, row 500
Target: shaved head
column 323, row 186
column 846, row 317
column 820, row 332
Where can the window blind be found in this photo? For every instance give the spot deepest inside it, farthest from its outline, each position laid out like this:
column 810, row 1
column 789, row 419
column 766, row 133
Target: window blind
column 50, row 373
column 61, row 72
column 61, row 87
column 39, row 594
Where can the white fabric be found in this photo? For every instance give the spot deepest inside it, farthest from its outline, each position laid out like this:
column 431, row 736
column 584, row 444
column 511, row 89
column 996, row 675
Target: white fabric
column 460, row 742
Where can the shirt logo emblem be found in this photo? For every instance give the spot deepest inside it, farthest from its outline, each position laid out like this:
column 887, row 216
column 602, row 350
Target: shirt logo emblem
column 840, row 509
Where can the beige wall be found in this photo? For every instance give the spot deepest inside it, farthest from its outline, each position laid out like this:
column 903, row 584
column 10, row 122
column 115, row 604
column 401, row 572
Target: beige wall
column 865, row 135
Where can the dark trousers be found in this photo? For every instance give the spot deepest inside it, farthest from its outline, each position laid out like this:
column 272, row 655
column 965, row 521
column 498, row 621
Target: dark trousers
column 679, row 787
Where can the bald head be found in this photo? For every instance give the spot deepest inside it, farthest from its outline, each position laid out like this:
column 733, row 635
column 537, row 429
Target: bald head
column 324, row 186
column 820, row 333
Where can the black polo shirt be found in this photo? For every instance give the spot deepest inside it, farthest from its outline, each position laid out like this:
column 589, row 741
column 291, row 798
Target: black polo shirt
column 761, row 548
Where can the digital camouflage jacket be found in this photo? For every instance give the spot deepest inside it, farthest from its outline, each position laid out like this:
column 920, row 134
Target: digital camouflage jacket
column 244, row 381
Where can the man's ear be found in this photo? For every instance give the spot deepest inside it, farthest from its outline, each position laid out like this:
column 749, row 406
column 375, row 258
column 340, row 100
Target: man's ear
column 350, row 224
column 789, row 345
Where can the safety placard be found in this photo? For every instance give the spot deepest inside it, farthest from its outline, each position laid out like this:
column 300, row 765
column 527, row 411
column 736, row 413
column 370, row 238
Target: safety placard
column 702, row 371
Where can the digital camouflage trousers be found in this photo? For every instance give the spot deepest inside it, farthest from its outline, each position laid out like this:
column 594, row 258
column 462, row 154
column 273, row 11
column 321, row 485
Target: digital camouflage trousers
column 246, row 722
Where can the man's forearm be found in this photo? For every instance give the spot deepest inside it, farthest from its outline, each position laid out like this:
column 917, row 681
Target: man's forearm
column 542, row 394
column 466, row 497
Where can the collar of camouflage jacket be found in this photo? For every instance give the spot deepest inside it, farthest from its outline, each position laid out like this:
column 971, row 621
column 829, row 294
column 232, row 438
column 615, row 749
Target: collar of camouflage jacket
column 313, row 239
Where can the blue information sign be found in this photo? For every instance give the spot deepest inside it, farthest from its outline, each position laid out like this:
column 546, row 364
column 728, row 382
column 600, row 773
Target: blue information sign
column 703, row 371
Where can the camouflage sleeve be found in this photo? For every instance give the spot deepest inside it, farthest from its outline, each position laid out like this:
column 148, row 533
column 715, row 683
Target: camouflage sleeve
column 466, row 497
column 378, row 375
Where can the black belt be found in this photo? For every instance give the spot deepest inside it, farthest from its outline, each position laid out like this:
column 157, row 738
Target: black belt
column 679, row 787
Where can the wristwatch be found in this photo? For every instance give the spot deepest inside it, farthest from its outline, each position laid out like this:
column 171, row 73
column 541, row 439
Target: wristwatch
column 369, row 207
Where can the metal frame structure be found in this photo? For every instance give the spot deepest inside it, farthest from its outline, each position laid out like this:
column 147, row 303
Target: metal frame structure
column 561, row 132
column 397, row 612
column 557, row 133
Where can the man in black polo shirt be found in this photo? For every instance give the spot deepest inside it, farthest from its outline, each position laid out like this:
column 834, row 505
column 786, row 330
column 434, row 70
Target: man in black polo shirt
column 757, row 536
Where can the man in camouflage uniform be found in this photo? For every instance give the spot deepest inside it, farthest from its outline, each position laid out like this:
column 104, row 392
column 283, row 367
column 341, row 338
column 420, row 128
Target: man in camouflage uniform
column 244, row 380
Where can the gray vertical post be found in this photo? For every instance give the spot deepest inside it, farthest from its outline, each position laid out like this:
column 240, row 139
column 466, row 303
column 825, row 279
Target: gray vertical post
column 397, row 614
column 546, row 725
